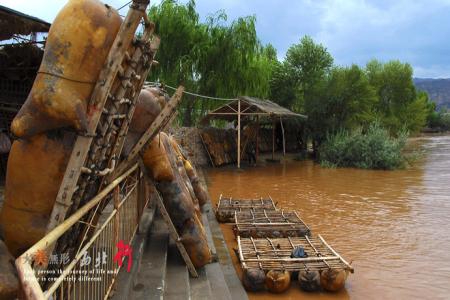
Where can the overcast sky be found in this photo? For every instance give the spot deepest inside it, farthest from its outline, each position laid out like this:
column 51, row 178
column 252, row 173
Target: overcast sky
column 354, row 31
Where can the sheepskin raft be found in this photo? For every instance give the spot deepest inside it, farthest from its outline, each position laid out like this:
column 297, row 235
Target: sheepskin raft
column 269, row 254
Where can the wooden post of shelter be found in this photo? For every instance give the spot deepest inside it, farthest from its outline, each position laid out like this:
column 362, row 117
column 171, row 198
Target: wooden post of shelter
column 257, row 138
column 273, row 139
column 239, row 135
column 284, row 140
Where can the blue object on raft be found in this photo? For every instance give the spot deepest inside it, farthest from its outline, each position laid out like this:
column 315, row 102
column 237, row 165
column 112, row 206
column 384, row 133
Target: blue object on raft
column 299, row 252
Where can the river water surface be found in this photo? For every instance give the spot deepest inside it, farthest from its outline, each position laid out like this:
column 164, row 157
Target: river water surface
column 393, row 225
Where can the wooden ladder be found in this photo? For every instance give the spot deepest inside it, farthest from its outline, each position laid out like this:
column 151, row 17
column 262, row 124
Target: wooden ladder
column 95, row 158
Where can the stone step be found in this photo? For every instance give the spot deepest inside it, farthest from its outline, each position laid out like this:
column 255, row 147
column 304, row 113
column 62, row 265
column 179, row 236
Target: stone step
column 199, row 287
column 125, row 280
column 232, row 281
column 213, row 270
column 150, row 281
column 177, row 275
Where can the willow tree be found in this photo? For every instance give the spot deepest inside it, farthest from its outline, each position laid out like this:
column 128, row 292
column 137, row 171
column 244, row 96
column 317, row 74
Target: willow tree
column 213, row 58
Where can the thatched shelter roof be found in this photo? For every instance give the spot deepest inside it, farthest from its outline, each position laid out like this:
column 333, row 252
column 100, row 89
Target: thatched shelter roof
column 249, row 106
column 14, row 22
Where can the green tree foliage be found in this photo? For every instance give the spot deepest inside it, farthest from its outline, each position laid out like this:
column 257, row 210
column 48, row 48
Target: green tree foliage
column 348, row 99
column 225, row 58
column 345, row 102
column 399, row 105
column 211, row 58
column 282, row 86
column 295, row 81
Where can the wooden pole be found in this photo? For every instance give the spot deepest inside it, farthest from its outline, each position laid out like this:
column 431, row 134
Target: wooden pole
column 116, row 197
column 273, row 139
column 257, row 138
column 239, row 135
column 284, row 141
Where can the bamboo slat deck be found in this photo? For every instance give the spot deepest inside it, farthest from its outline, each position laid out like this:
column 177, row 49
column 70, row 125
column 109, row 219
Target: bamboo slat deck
column 226, row 207
column 269, row 223
column 269, row 254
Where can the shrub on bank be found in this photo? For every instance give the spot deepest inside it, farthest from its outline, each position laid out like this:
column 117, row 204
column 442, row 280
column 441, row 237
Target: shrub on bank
column 439, row 120
column 373, row 149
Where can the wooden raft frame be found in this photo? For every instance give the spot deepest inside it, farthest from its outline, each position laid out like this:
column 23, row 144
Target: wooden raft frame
column 269, row 223
column 226, row 207
column 275, row 254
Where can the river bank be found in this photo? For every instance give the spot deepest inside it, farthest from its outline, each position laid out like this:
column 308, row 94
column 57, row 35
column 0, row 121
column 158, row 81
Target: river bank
column 391, row 224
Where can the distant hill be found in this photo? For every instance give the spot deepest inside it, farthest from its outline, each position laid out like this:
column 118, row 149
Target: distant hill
column 438, row 90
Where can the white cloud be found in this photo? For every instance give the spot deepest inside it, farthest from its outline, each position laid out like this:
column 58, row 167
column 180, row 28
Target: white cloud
column 354, row 31
column 48, row 9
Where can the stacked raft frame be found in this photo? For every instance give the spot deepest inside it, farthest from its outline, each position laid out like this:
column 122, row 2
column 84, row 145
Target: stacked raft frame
column 226, row 207
column 269, row 223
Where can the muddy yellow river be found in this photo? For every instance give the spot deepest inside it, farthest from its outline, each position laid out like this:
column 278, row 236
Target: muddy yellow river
column 393, row 225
